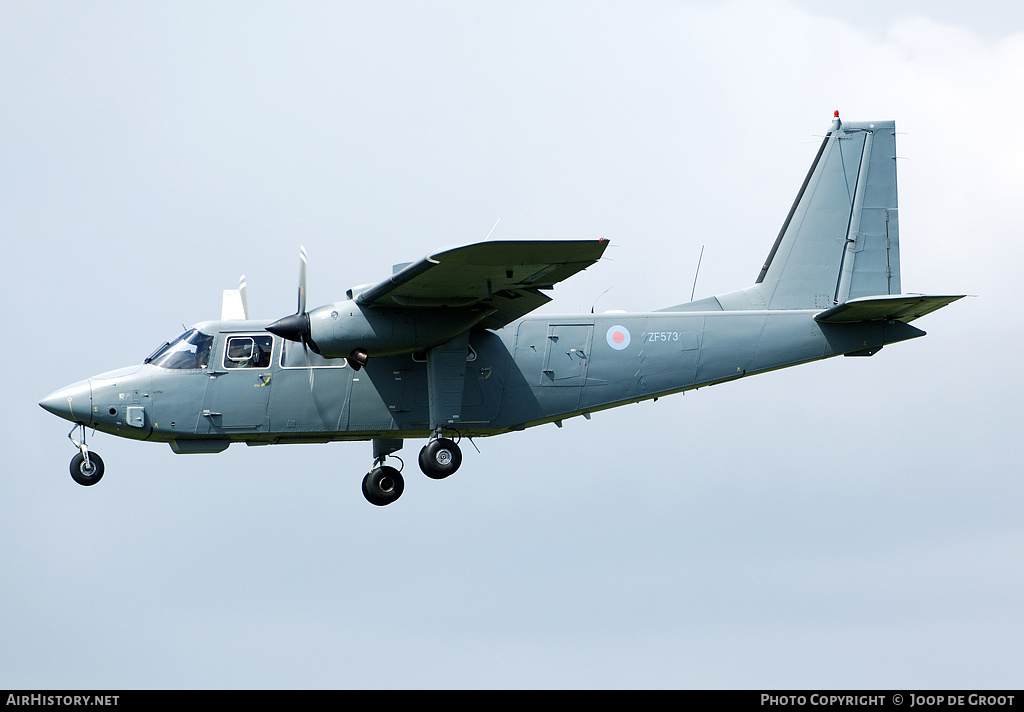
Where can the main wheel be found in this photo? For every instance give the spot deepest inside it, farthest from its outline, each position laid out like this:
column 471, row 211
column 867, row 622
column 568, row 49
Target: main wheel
column 440, row 458
column 383, row 485
column 86, row 475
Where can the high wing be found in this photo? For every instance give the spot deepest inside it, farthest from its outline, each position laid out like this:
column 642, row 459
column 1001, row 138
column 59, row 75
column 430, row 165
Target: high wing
column 504, row 275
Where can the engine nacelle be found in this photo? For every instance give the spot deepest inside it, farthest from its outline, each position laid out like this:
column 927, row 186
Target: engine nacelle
column 337, row 330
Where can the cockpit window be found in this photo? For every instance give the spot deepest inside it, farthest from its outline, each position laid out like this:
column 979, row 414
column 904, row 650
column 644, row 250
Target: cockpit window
column 190, row 350
column 248, row 351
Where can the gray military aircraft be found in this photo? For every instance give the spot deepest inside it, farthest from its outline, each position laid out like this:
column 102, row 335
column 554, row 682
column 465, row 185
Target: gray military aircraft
column 444, row 349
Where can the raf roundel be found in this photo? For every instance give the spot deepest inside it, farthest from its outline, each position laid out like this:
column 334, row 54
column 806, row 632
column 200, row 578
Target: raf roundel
column 618, row 337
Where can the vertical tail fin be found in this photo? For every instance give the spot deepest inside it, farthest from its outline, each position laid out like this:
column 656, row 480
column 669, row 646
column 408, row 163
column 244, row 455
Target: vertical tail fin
column 840, row 240
column 233, row 303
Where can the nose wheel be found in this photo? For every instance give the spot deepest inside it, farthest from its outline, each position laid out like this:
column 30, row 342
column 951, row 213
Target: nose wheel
column 86, row 467
column 84, row 471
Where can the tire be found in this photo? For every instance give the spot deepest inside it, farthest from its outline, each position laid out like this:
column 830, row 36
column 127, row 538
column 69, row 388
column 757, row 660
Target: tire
column 82, row 475
column 383, row 485
column 440, row 458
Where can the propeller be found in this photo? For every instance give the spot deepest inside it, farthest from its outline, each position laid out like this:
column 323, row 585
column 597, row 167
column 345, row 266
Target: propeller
column 296, row 327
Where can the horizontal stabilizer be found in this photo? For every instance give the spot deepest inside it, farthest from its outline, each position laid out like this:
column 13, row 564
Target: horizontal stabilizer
column 896, row 307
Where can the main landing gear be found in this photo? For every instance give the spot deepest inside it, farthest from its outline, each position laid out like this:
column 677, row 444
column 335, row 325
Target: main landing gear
column 383, row 484
column 439, row 458
column 86, row 467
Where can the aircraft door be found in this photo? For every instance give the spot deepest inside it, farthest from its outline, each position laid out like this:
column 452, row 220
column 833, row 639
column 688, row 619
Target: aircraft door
column 568, row 354
column 311, row 393
column 239, row 386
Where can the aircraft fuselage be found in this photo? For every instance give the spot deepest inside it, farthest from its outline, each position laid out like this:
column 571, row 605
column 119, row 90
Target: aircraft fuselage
column 536, row 370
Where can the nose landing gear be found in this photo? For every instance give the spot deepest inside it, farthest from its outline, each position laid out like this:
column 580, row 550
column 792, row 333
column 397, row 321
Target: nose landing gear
column 86, row 467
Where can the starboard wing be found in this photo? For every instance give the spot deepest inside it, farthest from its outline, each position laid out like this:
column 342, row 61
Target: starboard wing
column 505, row 275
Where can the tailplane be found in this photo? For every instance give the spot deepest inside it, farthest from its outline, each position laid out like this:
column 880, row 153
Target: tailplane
column 902, row 307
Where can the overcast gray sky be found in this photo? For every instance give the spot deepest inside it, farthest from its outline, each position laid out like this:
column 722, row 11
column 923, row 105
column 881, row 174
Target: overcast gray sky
column 849, row 523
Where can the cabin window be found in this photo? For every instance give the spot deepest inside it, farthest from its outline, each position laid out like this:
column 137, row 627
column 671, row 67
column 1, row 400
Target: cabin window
column 293, row 355
column 248, row 351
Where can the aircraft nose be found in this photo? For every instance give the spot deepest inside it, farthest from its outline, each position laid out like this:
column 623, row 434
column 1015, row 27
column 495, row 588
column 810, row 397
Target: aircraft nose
column 72, row 402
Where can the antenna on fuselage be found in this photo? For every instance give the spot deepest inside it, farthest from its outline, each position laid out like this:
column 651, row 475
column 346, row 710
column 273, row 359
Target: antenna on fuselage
column 598, row 297
column 492, row 229
column 694, row 290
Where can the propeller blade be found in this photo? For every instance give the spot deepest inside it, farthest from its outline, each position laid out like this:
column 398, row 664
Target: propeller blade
column 302, row 280
column 296, row 326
